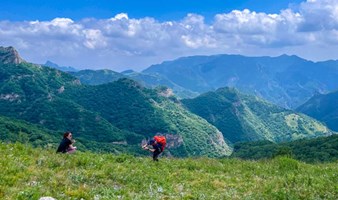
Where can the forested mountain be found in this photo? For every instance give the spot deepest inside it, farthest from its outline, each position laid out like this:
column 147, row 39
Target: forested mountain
column 323, row 107
column 12, row 130
column 242, row 117
column 321, row 149
column 32, row 93
column 118, row 115
column 287, row 81
column 97, row 77
column 112, row 117
column 129, row 106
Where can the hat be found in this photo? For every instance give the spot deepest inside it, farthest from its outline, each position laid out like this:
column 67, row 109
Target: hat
column 152, row 141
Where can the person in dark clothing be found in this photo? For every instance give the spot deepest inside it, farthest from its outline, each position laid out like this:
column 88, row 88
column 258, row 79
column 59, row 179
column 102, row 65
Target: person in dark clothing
column 158, row 144
column 66, row 144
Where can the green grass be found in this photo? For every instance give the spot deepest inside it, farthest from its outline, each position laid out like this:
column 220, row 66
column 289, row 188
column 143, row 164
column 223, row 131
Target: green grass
column 28, row 173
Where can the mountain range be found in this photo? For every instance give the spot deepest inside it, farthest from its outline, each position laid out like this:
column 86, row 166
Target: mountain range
column 287, row 81
column 97, row 77
column 118, row 116
column 114, row 117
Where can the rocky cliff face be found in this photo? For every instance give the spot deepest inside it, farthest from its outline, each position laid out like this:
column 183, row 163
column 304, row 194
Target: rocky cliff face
column 8, row 55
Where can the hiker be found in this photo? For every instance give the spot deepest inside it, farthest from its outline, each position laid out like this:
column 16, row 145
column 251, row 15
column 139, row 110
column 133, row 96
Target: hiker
column 66, row 145
column 158, row 143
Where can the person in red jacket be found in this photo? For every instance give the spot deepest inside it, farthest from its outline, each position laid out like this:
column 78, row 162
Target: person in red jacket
column 158, row 144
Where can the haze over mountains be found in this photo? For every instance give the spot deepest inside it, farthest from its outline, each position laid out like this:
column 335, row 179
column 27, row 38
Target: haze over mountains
column 288, row 81
column 61, row 68
column 114, row 113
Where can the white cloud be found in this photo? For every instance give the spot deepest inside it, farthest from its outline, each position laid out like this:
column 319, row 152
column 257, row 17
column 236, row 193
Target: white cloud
column 62, row 22
column 196, row 33
column 94, row 39
column 319, row 15
column 120, row 16
column 245, row 22
column 121, row 42
column 260, row 29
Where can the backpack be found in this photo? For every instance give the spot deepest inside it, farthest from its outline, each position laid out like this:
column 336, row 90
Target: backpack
column 161, row 140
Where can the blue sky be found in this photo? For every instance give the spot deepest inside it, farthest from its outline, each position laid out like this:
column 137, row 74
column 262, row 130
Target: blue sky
column 122, row 34
column 159, row 9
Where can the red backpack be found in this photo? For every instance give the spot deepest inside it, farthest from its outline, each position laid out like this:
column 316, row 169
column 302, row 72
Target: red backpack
column 161, row 140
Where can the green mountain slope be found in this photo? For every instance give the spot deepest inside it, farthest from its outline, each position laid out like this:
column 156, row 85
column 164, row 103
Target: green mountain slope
column 287, row 81
column 324, row 108
column 322, row 149
column 129, row 106
column 243, row 117
column 12, row 130
column 31, row 92
column 28, row 173
column 97, row 77
column 113, row 117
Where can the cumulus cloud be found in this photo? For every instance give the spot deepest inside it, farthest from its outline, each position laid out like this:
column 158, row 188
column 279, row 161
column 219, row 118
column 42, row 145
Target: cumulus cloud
column 94, row 39
column 121, row 42
column 319, row 15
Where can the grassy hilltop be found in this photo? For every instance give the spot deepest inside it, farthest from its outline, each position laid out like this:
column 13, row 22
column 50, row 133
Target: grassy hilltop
column 28, row 173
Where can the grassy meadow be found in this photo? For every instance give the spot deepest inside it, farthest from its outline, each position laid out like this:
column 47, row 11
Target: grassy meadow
column 31, row 173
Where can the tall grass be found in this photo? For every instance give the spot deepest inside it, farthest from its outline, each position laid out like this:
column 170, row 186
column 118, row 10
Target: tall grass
column 28, row 173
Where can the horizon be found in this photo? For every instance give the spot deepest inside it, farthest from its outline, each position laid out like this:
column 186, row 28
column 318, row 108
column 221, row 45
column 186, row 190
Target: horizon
column 68, row 66
column 121, row 36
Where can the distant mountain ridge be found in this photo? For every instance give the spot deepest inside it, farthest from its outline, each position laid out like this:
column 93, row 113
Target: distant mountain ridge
column 323, row 107
column 287, row 81
column 61, row 68
column 97, row 77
